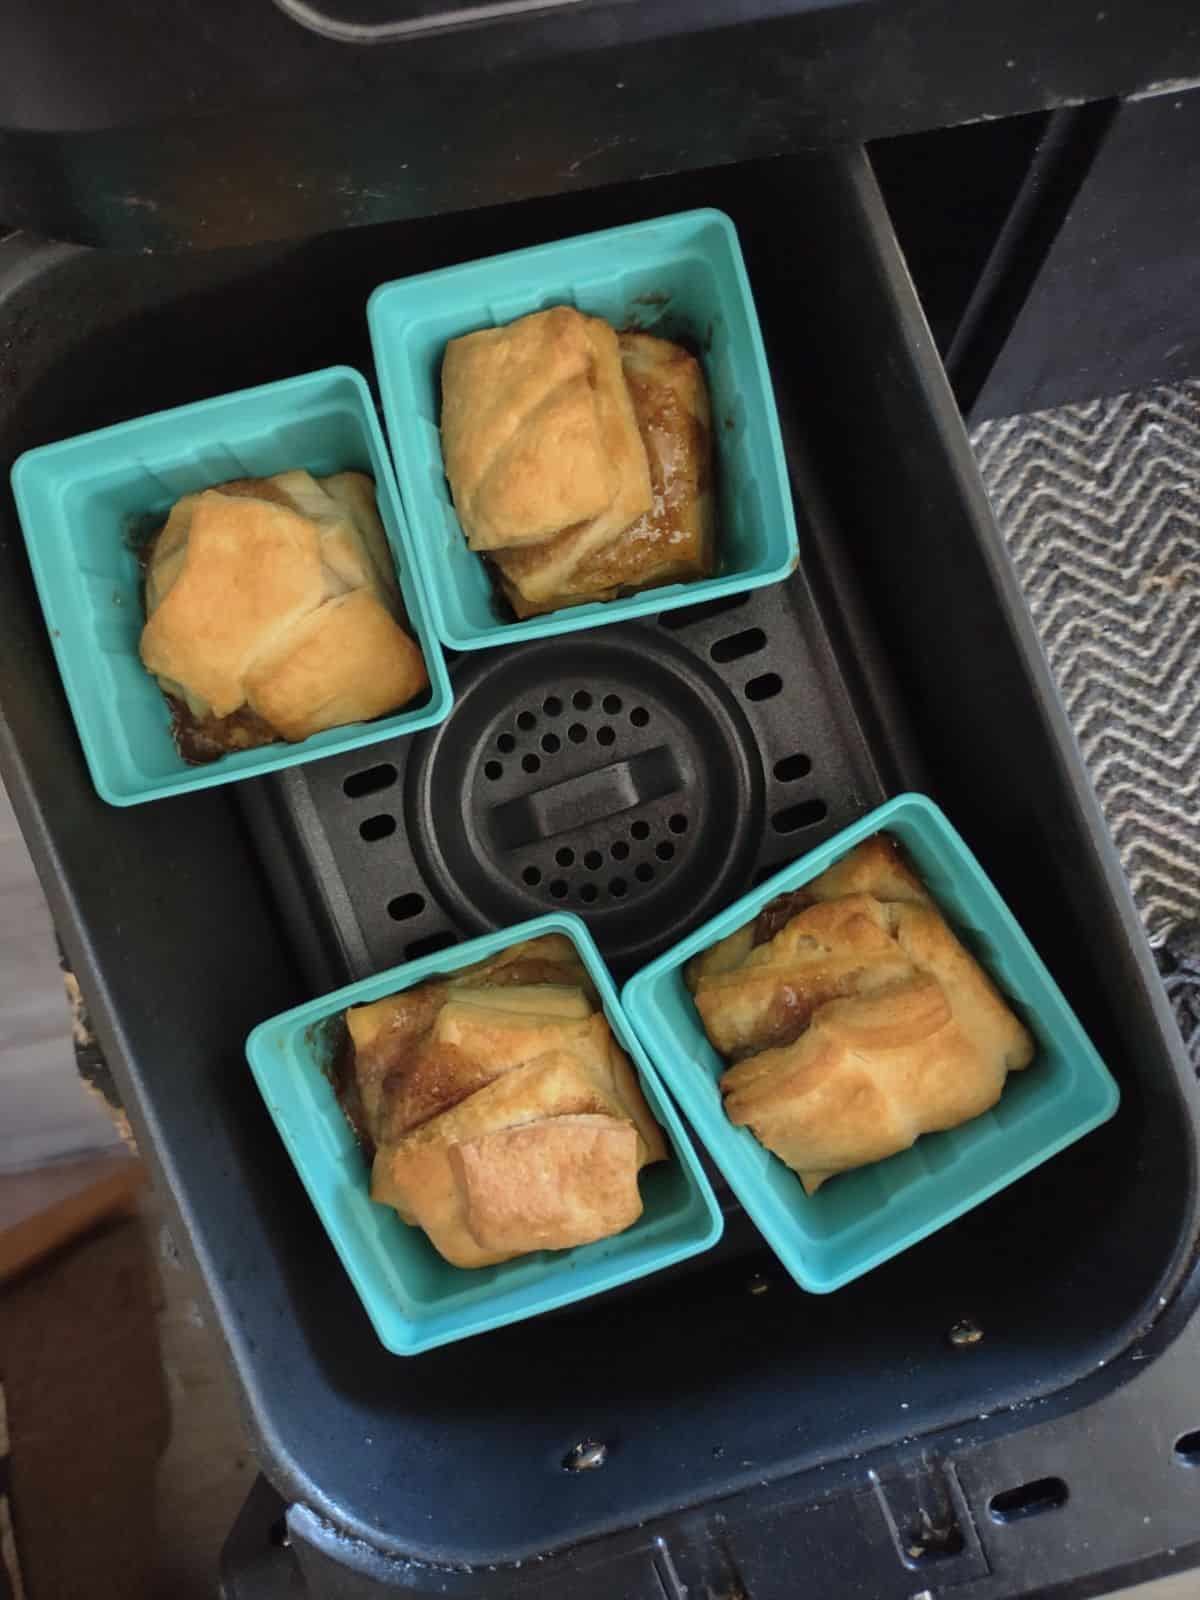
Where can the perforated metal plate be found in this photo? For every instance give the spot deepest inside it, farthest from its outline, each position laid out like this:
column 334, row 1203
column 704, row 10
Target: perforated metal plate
column 642, row 776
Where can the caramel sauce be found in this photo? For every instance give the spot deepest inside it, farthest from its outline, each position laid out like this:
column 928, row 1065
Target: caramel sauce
column 679, row 450
column 345, row 1087
column 673, row 539
column 200, row 740
column 391, row 1055
column 777, row 913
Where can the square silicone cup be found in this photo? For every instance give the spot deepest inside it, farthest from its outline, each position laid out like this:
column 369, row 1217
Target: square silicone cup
column 680, row 277
column 83, row 502
column 864, row 1217
column 414, row 1298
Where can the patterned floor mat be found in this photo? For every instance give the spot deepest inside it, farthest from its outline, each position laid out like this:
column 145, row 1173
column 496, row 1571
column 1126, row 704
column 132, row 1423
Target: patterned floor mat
column 1100, row 505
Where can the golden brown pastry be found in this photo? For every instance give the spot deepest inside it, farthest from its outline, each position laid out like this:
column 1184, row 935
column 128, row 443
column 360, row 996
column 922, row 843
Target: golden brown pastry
column 610, row 1067
column 273, row 612
column 386, row 1038
column 467, row 1046
column 877, row 867
column 549, row 1185
column 672, row 542
column 824, row 951
column 437, row 1079
column 418, row 1177
column 538, row 433
column 856, row 1019
column 580, row 461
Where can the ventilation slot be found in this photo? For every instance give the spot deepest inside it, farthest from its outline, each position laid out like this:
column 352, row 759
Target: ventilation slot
column 377, row 827
column 805, row 815
column 405, row 907
column 765, row 687
column 738, row 645
column 793, row 767
column 1187, row 1449
column 369, row 781
column 1028, row 1500
column 688, row 616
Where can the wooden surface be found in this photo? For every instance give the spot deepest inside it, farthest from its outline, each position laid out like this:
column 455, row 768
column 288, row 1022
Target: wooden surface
column 43, row 1209
column 87, row 1417
column 123, row 1420
column 1182, row 1586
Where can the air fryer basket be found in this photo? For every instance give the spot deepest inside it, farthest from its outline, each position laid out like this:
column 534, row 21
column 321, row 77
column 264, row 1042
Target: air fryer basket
column 641, row 776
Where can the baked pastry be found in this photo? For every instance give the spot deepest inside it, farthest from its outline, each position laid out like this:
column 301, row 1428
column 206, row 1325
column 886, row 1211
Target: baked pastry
column 382, row 1038
column 538, row 433
column 854, row 1018
column 420, row 1178
column 500, row 1114
column 818, row 955
column 273, row 612
column 580, row 461
column 548, row 1185
column 674, row 541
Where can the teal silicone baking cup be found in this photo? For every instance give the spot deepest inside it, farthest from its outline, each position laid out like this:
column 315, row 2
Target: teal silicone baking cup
column 414, row 1299
column 681, row 277
column 84, row 501
column 862, row 1218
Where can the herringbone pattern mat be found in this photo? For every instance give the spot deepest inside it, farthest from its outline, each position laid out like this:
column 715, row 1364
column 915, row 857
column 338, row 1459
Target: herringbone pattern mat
column 1100, row 505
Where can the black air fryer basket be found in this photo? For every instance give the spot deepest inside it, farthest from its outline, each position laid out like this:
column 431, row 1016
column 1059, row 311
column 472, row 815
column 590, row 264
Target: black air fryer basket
column 740, row 1437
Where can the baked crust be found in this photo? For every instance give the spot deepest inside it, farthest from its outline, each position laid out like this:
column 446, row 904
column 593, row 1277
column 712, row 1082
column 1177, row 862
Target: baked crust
column 273, row 611
column 859, row 1024
column 508, row 1043
column 538, row 432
